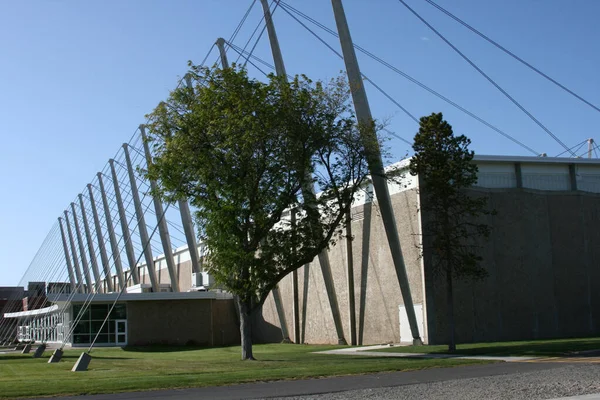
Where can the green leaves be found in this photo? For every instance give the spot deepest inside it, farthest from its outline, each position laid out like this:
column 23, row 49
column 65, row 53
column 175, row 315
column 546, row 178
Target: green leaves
column 244, row 152
column 454, row 218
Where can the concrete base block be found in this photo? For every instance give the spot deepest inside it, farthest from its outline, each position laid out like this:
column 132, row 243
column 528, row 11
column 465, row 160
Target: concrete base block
column 82, row 363
column 39, row 351
column 342, row 342
column 26, row 349
column 417, row 342
column 20, row 346
column 56, row 356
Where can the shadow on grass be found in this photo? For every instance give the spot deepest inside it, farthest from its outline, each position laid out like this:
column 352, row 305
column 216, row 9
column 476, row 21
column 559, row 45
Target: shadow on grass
column 15, row 357
column 159, row 348
column 554, row 348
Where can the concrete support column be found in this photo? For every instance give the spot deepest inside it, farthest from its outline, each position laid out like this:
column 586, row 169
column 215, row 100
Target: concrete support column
column 350, row 273
column 161, row 219
column 190, row 235
column 573, row 176
column 309, row 190
column 281, row 314
column 186, row 217
column 84, row 264
column 365, row 120
column 67, row 257
column 141, row 222
column 295, row 297
column 519, row 175
column 101, row 245
column 296, row 306
column 221, row 46
column 91, row 249
column 85, row 268
column 80, row 285
column 124, row 229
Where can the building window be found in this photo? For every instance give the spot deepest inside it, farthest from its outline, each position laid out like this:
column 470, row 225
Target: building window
column 92, row 323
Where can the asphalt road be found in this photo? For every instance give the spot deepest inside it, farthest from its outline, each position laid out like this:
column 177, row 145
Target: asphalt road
column 527, row 381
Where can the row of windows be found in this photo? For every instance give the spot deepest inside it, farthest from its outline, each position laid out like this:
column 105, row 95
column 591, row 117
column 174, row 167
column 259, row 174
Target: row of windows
column 91, row 322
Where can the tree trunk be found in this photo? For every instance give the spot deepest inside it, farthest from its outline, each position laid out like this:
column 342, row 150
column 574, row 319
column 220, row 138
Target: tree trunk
column 246, row 330
column 450, row 300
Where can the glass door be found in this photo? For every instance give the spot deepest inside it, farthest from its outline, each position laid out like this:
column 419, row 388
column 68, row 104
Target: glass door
column 121, row 331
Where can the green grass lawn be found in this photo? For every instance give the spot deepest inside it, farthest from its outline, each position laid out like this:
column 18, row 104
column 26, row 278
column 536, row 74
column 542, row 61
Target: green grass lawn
column 145, row 368
column 542, row 348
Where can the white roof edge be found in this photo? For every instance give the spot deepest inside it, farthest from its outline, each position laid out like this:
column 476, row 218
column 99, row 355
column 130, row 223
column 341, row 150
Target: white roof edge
column 29, row 313
column 110, row 297
column 540, row 160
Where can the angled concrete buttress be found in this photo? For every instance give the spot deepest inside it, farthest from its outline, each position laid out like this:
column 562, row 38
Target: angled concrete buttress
column 82, row 363
column 363, row 114
column 101, row 244
column 80, row 284
column 114, row 244
column 161, row 219
column 323, row 256
column 276, row 294
column 39, row 351
column 67, row 257
column 124, row 226
column 147, row 248
column 91, row 249
column 186, row 216
column 56, row 356
column 84, row 263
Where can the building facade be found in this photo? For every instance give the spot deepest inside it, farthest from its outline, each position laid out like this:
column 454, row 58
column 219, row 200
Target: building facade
column 542, row 259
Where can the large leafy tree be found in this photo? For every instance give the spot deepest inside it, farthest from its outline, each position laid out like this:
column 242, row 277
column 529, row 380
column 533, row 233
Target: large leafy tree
column 246, row 153
column 452, row 217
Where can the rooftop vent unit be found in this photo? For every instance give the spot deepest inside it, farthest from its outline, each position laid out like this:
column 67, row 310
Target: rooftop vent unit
column 201, row 279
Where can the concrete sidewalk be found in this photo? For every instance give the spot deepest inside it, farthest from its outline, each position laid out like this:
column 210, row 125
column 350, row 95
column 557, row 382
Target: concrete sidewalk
column 311, row 387
column 364, row 351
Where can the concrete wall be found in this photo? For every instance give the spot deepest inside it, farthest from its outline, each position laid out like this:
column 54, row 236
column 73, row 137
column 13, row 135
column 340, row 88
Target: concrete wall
column 180, row 322
column 377, row 292
column 543, row 261
column 183, row 270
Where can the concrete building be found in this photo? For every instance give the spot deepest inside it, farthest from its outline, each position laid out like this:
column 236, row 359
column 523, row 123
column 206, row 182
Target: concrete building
column 542, row 258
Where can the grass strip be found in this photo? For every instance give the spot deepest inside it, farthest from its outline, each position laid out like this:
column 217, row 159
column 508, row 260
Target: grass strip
column 148, row 368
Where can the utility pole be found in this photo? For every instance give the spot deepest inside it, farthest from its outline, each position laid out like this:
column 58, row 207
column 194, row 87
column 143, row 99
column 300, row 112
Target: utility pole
column 365, row 121
column 323, row 257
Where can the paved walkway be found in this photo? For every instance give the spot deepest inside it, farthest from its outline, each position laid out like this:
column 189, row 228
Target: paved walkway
column 341, row 385
column 364, row 351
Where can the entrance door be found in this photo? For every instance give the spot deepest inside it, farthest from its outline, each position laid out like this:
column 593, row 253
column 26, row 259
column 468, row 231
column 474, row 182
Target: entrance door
column 121, row 331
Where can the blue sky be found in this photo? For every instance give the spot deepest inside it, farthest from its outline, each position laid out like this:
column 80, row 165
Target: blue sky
column 77, row 78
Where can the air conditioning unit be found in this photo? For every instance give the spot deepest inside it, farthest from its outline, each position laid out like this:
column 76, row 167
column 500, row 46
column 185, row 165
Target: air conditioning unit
column 196, row 279
column 207, row 280
column 201, row 279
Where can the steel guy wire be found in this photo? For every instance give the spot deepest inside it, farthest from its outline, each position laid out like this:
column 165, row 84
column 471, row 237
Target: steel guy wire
column 510, row 53
column 486, row 76
column 411, row 79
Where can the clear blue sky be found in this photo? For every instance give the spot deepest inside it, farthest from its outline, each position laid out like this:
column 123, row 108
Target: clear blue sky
column 77, row 78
